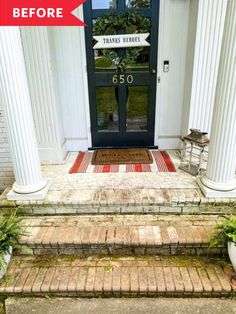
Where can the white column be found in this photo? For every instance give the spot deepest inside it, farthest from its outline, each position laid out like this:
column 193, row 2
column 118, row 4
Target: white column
column 15, row 97
column 220, row 174
column 206, row 58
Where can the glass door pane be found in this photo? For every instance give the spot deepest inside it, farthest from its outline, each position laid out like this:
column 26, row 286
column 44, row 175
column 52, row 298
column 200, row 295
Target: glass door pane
column 107, row 109
column 101, row 61
column 138, row 4
column 141, row 63
column 104, row 4
column 137, row 109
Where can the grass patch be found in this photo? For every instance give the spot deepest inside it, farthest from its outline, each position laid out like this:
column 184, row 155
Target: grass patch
column 7, row 279
column 138, row 101
column 2, row 307
column 102, row 64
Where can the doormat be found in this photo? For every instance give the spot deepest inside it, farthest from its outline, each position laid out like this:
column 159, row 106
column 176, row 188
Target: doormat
column 161, row 163
column 121, row 156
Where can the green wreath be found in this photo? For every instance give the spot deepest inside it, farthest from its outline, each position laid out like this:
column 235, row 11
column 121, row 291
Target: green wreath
column 109, row 24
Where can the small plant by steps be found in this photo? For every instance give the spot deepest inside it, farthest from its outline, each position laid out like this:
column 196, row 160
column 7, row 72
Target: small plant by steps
column 225, row 231
column 10, row 234
column 225, row 234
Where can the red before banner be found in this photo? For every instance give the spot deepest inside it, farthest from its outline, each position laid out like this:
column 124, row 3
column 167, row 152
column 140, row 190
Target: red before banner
column 39, row 13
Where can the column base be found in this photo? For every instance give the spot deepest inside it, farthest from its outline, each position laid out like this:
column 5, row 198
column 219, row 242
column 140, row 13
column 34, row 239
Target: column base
column 210, row 193
column 30, row 189
column 219, row 186
column 36, row 196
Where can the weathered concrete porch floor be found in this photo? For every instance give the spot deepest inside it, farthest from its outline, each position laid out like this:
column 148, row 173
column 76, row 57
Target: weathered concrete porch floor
column 121, row 193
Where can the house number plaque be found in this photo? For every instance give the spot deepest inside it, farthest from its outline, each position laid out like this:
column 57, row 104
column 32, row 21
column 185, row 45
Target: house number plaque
column 122, row 79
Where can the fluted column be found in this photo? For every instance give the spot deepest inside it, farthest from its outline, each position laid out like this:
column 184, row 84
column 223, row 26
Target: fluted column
column 16, row 100
column 221, row 167
column 206, row 59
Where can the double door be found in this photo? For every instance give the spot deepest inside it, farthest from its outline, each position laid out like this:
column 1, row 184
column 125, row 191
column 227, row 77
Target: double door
column 122, row 96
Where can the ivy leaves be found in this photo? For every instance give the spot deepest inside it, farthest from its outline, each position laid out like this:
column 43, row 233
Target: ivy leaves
column 110, row 24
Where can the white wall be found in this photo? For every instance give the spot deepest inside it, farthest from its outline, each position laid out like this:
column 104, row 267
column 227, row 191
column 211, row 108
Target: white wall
column 67, row 44
column 45, row 105
column 174, row 16
column 193, row 15
column 6, row 171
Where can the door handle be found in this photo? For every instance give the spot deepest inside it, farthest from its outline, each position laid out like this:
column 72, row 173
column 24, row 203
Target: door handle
column 153, row 71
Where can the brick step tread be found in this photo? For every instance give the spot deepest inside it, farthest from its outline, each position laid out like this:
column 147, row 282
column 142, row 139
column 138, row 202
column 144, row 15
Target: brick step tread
column 129, row 276
column 147, row 193
column 120, row 235
column 116, row 196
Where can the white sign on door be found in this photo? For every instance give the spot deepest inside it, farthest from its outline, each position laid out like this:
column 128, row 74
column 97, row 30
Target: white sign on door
column 121, row 41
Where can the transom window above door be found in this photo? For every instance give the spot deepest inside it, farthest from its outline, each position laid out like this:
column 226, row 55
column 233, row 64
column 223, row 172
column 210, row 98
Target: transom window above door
column 112, row 4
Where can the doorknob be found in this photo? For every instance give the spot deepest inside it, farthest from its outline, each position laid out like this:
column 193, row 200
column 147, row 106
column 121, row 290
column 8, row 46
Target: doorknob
column 153, row 71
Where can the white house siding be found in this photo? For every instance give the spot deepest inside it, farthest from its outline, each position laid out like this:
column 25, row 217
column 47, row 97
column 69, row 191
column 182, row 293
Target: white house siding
column 173, row 33
column 43, row 94
column 69, row 66
column 6, row 171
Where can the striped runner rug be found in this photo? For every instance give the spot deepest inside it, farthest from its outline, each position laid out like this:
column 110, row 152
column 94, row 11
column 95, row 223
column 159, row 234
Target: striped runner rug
column 161, row 163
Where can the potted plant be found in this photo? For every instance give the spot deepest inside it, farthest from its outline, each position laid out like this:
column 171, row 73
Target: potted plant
column 225, row 234
column 10, row 233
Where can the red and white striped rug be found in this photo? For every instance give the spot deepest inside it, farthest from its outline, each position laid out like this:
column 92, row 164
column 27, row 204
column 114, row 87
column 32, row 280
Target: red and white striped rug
column 161, row 163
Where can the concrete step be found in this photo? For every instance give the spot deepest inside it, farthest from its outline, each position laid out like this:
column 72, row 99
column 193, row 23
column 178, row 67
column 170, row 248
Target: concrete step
column 120, row 235
column 119, row 305
column 117, row 277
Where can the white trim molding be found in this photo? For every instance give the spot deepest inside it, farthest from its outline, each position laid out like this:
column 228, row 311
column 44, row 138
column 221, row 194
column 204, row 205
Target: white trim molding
column 77, row 144
column 85, row 78
column 169, row 142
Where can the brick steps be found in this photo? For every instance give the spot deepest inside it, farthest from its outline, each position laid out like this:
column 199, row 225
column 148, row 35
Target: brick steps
column 124, row 209
column 117, row 277
column 124, row 198
column 120, row 235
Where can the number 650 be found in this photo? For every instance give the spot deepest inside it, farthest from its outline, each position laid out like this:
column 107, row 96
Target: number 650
column 122, row 79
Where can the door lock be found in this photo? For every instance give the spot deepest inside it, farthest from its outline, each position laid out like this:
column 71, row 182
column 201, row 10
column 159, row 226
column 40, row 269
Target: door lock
column 154, row 71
